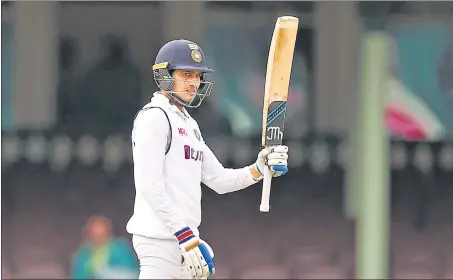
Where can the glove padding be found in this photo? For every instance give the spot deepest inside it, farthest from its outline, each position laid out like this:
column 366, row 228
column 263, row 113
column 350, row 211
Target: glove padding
column 198, row 257
column 275, row 158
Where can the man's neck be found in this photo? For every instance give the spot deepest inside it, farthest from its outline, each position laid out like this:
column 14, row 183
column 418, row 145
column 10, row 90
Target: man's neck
column 179, row 106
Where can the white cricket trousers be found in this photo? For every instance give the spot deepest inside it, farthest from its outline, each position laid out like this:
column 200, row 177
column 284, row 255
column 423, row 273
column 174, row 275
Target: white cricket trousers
column 159, row 258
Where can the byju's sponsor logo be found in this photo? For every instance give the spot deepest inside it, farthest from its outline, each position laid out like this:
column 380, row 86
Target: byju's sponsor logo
column 190, row 153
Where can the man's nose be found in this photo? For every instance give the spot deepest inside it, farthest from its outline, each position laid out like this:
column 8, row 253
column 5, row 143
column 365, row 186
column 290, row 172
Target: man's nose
column 193, row 82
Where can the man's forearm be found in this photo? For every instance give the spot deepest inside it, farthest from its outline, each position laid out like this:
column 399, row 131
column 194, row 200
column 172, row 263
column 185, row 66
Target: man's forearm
column 227, row 180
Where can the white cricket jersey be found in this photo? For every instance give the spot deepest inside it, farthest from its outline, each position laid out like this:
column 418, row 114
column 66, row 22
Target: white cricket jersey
column 168, row 185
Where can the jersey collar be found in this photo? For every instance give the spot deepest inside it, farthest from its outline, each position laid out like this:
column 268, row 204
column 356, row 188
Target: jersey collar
column 164, row 101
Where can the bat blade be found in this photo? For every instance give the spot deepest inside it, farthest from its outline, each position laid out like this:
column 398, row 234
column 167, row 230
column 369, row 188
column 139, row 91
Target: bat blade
column 278, row 75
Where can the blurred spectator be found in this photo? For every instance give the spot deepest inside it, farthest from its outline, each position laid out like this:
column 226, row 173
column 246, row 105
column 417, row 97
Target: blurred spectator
column 210, row 119
column 68, row 55
column 109, row 95
column 446, row 73
column 7, row 74
column 103, row 256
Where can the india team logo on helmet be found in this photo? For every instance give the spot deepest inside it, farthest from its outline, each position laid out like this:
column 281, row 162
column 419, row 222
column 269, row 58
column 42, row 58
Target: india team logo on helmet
column 196, row 56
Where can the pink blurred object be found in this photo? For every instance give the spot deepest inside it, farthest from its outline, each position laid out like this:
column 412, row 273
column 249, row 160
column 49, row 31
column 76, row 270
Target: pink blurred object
column 403, row 125
column 407, row 116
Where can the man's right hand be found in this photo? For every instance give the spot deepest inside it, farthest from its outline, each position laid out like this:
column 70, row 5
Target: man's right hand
column 198, row 255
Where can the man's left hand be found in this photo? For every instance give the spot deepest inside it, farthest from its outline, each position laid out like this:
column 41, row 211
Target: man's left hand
column 275, row 158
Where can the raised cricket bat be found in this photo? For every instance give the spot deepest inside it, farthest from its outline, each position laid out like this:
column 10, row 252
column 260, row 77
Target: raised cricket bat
column 278, row 74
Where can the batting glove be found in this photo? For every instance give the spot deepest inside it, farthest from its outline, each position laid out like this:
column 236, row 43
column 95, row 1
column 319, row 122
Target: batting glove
column 198, row 255
column 275, row 158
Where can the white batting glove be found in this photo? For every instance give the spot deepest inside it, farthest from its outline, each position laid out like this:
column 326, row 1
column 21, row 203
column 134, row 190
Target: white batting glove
column 198, row 255
column 275, row 158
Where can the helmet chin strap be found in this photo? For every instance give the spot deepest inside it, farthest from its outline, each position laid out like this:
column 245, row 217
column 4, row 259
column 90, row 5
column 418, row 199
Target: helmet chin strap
column 184, row 103
column 171, row 95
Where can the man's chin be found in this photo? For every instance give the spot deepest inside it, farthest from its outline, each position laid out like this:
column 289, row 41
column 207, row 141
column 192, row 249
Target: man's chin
column 188, row 97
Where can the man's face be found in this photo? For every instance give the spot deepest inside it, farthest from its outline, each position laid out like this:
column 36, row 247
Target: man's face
column 187, row 83
column 98, row 231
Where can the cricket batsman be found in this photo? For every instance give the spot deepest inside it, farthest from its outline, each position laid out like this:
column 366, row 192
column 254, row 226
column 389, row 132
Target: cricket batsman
column 171, row 160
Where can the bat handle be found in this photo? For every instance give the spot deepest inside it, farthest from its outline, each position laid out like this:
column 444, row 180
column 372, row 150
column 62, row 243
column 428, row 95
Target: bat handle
column 265, row 196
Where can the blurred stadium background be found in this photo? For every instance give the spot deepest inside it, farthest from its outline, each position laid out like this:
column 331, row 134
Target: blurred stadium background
column 75, row 73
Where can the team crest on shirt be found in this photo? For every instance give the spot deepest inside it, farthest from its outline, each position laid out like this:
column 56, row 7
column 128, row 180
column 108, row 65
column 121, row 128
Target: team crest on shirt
column 197, row 134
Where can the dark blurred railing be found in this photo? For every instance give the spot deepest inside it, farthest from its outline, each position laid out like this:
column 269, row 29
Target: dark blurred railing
column 59, row 150
column 317, row 159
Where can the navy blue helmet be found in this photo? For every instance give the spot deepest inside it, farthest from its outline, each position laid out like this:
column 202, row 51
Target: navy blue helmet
column 182, row 55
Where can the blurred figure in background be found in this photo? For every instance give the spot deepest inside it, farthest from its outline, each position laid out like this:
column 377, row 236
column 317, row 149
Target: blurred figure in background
column 211, row 120
column 103, row 256
column 68, row 56
column 112, row 86
column 446, row 72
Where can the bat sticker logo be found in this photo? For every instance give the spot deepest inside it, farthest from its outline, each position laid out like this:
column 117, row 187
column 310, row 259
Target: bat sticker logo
column 275, row 133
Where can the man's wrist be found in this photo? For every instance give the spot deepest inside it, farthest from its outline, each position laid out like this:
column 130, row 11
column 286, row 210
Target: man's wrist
column 184, row 234
column 187, row 237
column 256, row 173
